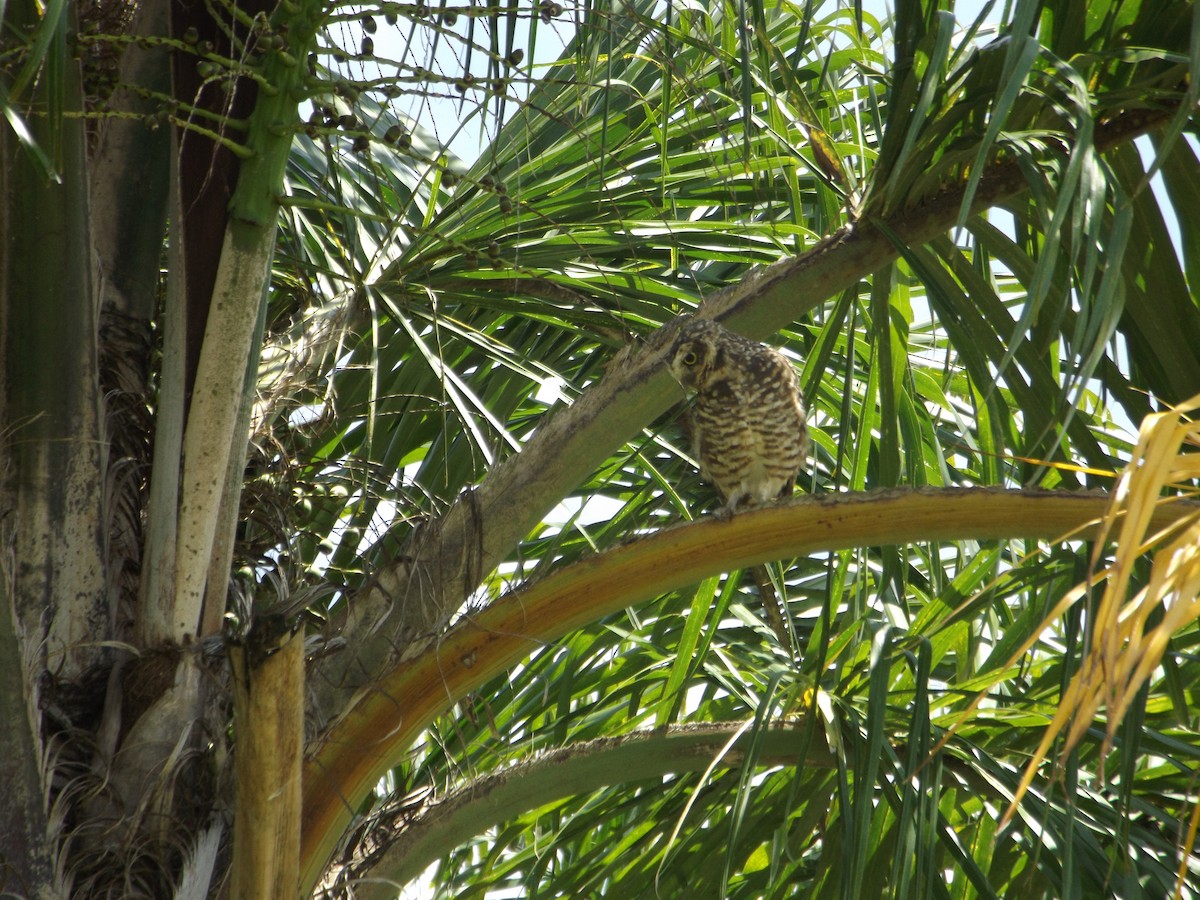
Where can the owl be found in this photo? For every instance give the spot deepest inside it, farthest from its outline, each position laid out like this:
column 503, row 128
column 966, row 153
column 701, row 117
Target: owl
column 748, row 427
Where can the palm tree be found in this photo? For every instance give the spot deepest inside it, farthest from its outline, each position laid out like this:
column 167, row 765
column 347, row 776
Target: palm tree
column 352, row 535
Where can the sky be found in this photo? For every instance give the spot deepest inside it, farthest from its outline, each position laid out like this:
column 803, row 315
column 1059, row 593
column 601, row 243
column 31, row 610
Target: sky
column 456, row 123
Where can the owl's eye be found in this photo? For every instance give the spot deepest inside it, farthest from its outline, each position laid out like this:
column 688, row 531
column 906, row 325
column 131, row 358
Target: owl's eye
column 690, row 358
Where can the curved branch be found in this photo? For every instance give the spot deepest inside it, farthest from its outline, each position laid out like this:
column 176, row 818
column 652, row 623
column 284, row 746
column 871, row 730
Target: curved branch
column 566, row 771
column 384, row 719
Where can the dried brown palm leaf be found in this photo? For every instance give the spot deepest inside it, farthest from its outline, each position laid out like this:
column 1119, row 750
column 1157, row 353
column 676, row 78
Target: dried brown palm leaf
column 1125, row 649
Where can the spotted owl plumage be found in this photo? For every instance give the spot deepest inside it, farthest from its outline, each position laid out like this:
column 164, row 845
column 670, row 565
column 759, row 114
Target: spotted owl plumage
column 748, row 426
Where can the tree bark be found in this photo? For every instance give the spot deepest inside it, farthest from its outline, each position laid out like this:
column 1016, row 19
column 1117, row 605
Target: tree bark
column 49, row 400
column 268, row 723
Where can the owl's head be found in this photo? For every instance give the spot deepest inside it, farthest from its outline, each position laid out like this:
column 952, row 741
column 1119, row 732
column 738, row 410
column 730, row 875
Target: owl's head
column 694, row 354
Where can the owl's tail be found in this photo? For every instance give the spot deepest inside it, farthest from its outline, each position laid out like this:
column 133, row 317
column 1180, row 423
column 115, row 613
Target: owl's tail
column 772, row 608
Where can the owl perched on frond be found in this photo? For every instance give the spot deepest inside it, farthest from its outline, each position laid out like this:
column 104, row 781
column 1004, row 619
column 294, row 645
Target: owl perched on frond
column 748, row 427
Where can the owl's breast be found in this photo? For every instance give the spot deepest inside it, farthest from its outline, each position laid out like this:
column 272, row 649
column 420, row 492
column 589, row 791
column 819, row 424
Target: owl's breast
column 750, row 451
